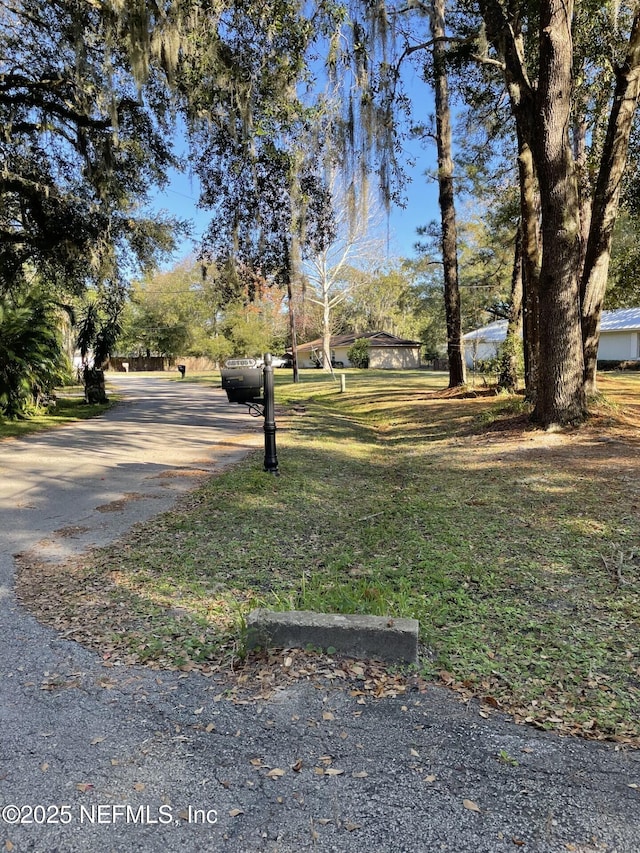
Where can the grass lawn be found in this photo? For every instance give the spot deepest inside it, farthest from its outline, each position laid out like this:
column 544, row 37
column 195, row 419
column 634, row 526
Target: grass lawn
column 516, row 549
column 69, row 406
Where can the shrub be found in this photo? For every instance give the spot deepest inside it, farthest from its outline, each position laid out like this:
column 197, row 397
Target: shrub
column 32, row 362
column 615, row 364
column 358, row 353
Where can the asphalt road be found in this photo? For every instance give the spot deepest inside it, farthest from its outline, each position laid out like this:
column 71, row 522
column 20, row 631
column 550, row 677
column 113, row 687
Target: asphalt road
column 101, row 758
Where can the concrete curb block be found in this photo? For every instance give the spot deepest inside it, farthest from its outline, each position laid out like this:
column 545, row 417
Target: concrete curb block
column 392, row 640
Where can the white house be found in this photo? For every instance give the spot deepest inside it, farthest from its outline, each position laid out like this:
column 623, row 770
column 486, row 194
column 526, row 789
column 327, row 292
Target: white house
column 619, row 338
column 482, row 344
column 385, row 351
column 620, row 335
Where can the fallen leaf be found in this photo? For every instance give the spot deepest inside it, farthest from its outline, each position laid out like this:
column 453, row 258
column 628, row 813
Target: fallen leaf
column 199, row 710
column 44, row 767
column 469, row 804
column 297, row 767
column 431, row 778
column 8, row 846
column 210, row 727
column 277, row 771
column 333, row 771
column 84, row 787
column 362, row 774
column 235, row 812
column 415, row 753
column 97, row 740
column 327, row 715
column 139, row 786
column 350, row 827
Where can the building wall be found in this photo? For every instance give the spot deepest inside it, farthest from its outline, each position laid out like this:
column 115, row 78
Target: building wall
column 618, row 345
column 389, row 358
column 614, row 346
column 340, row 354
column 394, row 358
column 475, row 351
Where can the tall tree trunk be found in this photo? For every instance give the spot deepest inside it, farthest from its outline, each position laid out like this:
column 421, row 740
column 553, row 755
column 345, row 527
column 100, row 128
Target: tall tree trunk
column 531, row 260
column 447, row 199
column 561, row 397
column 543, row 115
column 505, row 35
column 580, row 152
column 292, row 332
column 288, row 275
column 606, row 201
column 326, row 333
column 509, row 361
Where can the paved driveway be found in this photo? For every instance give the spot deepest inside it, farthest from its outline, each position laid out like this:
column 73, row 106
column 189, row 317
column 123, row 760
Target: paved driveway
column 101, row 758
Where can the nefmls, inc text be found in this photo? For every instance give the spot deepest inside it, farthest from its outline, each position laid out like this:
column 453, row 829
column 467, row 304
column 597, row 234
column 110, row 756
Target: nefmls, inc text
column 112, row 813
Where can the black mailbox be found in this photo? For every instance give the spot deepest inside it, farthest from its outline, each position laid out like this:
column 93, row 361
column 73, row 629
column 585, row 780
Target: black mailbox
column 243, row 384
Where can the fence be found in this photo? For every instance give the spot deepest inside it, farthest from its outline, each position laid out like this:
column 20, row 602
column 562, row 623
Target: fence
column 158, row 363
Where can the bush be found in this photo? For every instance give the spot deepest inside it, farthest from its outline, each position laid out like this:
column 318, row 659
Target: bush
column 510, row 363
column 32, row 362
column 358, row 353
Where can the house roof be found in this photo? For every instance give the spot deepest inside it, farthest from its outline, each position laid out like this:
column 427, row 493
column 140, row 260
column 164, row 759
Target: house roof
column 617, row 320
column 620, row 320
column 496, row 331
column 376, row 339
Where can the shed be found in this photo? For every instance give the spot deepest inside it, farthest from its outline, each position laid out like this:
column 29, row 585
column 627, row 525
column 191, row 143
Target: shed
column 386, row 351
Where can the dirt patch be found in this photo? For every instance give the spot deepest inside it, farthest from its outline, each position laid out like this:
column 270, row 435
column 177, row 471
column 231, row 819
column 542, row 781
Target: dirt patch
column 121, row 504
column 71, row 531
column 176, row 473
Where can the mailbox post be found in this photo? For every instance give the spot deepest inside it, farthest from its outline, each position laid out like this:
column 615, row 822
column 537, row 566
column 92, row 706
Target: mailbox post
column 270, row 455
column 245, row 383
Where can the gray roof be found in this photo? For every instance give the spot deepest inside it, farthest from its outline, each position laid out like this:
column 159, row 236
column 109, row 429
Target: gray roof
column 618, row 320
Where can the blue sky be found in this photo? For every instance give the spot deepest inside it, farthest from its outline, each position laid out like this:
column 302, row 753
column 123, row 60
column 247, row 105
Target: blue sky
column 421, row 191
column 181, row 196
